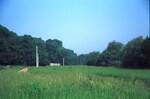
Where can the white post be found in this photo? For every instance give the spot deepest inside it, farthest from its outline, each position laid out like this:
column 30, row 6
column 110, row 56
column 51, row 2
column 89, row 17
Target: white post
column 37, row 57
column 63, row 61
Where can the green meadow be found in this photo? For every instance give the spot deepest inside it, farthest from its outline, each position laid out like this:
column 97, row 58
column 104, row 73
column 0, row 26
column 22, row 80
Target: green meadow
column 74, row 82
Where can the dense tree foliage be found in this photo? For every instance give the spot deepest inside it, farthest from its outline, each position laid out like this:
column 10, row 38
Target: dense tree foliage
column 82, row 59
column 145, row 48
column 53, row 49
column 110, row 56
column 56, row 53
column 8, row 47
column 136, row 53
column 20, row 50
column 69, row 56
column 88, row 59
column 132, row 56
column 92, row 58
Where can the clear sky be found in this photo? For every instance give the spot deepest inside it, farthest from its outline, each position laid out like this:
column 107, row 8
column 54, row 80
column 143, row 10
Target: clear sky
column 82, row 25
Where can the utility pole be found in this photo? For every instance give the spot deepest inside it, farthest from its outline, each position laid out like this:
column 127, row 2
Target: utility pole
column 63, row 61
column 37, row 57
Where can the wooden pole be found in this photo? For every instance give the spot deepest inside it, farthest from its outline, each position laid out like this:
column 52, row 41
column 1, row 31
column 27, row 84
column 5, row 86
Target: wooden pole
column 63, row 61
column 37, row 57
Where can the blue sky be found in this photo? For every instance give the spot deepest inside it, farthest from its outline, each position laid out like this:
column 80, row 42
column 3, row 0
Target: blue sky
column 82, row 25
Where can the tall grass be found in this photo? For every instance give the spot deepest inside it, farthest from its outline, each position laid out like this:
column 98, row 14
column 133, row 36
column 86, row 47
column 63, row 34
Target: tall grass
column 75, row 83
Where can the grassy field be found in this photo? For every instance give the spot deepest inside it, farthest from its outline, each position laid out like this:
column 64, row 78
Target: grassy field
column 74, row 82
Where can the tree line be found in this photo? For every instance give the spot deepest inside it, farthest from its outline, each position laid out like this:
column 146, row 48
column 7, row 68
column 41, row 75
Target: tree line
column 135, row 54
column 20, row 50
